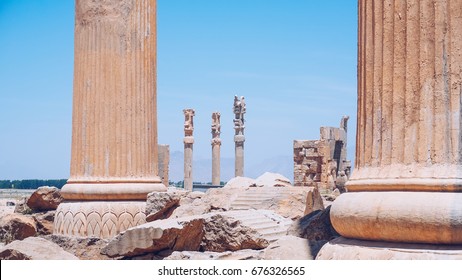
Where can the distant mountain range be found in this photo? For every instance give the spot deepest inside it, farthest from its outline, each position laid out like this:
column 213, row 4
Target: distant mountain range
column 202, row 168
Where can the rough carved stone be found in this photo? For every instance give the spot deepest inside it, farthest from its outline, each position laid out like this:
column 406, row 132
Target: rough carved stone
column 225, row 233
column 175, row 234
column 352, row 249
column 228, row 255
column 160, row 205
column 291, row 248
column 315, row 226
column 269, row 179
column 45, row 198
column 87, row 248
column 211, row 232
column 44, row 221
column 17, row 227
column 34, row 248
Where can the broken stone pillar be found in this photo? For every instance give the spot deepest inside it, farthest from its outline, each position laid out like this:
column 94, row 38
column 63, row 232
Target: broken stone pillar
column 188, row 148
column 163, row 162
column 239, row 138
column 114, row 128
column 407, row 183
column 216, row 143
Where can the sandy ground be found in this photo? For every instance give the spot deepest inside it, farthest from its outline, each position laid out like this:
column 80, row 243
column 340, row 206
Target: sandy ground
column 4, row 209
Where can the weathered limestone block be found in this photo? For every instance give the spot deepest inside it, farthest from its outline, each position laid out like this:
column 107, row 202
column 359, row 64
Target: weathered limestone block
column 174, row 234
column 291, row 248
column 44, row 221
column 213, row 200
column 313, row 200
column 224, row 233
column 17, row 227
column 210, row 232
column 240, row 182
column 88, row 248
column 34, row 248
column 315, row 226
column 269, row 179
column 45, row 198
column 160, row 205
column 21, row 207
column 228, row 255
column 353, row 249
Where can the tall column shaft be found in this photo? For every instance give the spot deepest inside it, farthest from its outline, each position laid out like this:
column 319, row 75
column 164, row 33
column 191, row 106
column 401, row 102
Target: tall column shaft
column 239, row 155
column 216, row 162
column 407, row 184
column 409, row 96
column 114, row 122
column 188, row 148
column 188, row 157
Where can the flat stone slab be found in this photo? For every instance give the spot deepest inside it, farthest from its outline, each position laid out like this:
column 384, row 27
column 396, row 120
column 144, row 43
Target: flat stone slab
column 351, row 249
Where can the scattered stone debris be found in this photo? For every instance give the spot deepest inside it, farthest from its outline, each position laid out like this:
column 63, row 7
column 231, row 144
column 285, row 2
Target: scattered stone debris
column 34, row 248
column 44, row 199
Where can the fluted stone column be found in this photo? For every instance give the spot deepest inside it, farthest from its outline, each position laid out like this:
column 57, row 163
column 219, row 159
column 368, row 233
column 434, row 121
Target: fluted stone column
column 239, row 110
column 114, row 127
column 407, row 182
column 216, row 143
column 188, row 141
column 163, row 152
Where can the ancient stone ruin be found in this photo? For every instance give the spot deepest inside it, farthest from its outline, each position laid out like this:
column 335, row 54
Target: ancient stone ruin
column 406, row 187
column 216, row 143
column 188, row 141
column 163, row 163
column 239, row 138
column 323, row 163
column 114, row 132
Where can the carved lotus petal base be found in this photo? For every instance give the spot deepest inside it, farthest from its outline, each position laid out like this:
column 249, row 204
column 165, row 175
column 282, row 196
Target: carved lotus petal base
column 102, row 219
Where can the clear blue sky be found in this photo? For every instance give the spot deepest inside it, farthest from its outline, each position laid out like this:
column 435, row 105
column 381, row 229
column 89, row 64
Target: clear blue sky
column 294, row 61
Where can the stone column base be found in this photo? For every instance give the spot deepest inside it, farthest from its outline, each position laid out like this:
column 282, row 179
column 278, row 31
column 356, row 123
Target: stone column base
column 102, row 219
column 352, row 249
column 407, row 217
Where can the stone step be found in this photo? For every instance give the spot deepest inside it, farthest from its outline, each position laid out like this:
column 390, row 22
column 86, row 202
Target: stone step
column 251, row 199
column 273, row 237
column 266, row 227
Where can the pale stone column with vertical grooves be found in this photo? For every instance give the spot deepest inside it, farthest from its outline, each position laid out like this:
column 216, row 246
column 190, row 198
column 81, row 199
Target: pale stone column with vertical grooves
column 407, row 182
column 409, row 96
column 216, row 144
column 239, row 109
column 188, row 141
column 114, row 126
